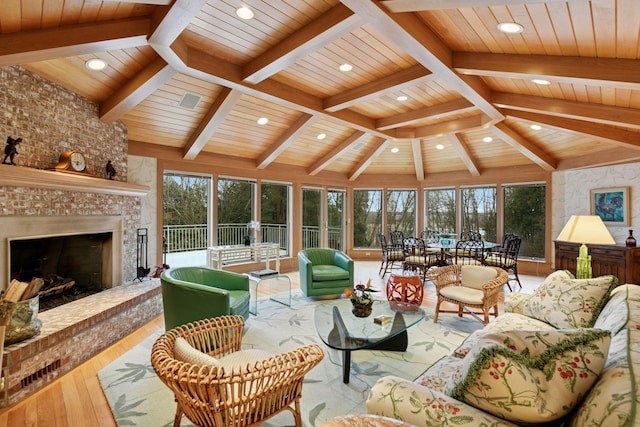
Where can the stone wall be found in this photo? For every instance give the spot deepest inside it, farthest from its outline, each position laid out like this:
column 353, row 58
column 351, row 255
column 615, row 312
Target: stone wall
column 51, row 120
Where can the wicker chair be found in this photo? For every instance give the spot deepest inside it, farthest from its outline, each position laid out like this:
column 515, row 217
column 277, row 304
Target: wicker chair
column 470, row 287
column 245, row 395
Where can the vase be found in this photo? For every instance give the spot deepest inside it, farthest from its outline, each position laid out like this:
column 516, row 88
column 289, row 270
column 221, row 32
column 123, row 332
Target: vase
column 631, row 241
column 362, row 310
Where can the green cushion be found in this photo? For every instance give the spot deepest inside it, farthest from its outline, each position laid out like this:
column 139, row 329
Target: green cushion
column 323, row 273
column 530, row 376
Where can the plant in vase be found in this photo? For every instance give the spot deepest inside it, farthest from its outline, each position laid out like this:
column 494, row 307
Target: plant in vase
column 361, row 300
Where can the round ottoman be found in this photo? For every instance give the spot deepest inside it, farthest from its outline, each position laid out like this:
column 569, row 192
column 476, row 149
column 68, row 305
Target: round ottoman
column 405, row 288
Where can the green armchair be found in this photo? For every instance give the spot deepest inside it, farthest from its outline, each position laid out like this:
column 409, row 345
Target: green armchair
column 324, row 271
column 195, row 293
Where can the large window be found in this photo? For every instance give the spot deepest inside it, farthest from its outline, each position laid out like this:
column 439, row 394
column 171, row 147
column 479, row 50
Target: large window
column 367, row 218
column 185, row 218
column 311, row 217
column 440, row 209
column 274, row 215
column 236, row 209
column 401, row 211
column 478, row 206
column 524, row 215
column 335, row 216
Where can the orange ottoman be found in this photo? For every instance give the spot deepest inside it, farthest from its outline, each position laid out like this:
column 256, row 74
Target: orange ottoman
column 407, row 289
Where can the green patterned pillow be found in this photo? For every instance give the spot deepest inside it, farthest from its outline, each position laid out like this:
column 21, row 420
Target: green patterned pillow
column 530, row 376
column 569, row 303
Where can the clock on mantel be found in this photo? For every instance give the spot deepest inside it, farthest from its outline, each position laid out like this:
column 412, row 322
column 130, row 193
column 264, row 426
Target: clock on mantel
column 72, row 162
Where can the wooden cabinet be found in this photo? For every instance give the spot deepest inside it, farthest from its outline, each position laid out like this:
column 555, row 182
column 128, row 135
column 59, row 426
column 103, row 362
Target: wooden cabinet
column 620, row 261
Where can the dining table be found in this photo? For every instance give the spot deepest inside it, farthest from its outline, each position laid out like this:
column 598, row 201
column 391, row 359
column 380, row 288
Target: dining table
column 447, row 244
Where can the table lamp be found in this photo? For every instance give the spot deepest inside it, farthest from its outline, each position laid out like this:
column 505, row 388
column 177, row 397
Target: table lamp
column 585, row 229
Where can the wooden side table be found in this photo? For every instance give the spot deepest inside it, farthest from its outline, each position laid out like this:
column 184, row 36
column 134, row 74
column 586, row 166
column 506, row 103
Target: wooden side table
column 405, row 288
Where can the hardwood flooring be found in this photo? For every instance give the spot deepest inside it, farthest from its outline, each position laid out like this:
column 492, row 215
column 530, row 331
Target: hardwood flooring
column 76, row 398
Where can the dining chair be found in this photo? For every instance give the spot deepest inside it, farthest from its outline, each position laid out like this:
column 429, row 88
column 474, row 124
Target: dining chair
column 417, row 258
column 471, row 235
column 395, row 239
column 469, row 252
column 506, row 257
column 391, row 257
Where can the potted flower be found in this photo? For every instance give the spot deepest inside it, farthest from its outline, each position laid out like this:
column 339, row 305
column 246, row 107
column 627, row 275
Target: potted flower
column 361, row 300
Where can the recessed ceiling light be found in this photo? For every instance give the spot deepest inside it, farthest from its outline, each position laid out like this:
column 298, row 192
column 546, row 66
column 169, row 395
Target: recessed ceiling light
column 535, row 127
column 346, row 67
column 439, row 147
column 402, row 98
column 510, row 27
column 244, row 12
column 263, row 121
column 321, row 136
column 542, row 82
column 487, row 139
column 395, row 149
column 95, row 64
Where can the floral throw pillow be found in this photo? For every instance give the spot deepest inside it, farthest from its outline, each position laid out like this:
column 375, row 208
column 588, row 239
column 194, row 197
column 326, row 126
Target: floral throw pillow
column 569, row 303
column 530, row 376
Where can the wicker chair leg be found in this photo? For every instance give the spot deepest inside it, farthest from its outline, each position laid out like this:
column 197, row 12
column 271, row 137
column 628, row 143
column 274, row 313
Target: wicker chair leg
column 178, row 417
column 485, row 311
column 435, row 316
column 459, row 310
column 297, row 414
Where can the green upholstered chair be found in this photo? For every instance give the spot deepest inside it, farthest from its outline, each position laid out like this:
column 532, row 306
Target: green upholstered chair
column 195, row 293
column 324, row 271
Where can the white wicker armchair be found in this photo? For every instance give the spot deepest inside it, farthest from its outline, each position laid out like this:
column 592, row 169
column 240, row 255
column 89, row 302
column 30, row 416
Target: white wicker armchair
column 245, row 395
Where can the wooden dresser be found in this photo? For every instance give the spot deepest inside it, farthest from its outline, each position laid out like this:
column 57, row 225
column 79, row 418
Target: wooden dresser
column 620, row 261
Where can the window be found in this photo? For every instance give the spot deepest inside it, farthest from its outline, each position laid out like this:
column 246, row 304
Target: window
column 524, row 215
column 367, row 218
column 335, row 213
column 478, row 205
column 236, row 208
column 440, row 209
column 274, row 215
column 311, row 216
column 185, row 218
column 401, row 211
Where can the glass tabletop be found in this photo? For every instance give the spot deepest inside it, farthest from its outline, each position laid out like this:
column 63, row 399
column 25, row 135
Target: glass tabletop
column 339, row 328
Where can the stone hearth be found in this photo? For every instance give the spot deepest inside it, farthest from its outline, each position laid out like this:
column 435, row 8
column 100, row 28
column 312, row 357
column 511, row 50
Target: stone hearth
column 75, row 332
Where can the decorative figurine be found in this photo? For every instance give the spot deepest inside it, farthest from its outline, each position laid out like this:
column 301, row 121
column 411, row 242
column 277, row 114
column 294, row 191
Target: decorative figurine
column 11, row 150
column 111, row 171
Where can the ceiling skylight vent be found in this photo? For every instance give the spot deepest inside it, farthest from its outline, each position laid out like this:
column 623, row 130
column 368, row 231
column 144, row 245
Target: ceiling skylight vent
column 189, row 101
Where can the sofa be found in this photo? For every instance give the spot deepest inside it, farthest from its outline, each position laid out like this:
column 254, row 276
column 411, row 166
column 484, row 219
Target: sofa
column 324, row 271
column 566, row 355
column 196, row 293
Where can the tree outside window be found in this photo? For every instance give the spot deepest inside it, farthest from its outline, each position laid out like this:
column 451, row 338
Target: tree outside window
column 236, row 202
column 367, row 218
column 311, row 216
column 524, row 215
column 440, row 208
column 274, row 215
column 401, row 211
column 479, row 211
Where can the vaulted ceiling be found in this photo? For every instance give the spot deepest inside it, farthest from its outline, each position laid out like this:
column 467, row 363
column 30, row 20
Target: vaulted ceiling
column 469, row 87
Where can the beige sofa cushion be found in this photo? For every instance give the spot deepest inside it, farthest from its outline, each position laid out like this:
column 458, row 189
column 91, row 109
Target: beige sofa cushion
column 475, row 276
column 530, row 376
column 569, row 303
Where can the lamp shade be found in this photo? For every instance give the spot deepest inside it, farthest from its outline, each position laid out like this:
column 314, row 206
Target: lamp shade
column 587, row 229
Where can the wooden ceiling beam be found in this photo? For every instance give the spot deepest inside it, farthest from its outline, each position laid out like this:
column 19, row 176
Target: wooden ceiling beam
column 463, row 152
column 136, row 90
column 377, row 148
column 303, row 123
column 418, row 162
column 597, row 113
column 434, row 112
column 73, row 40
column 398, row 6
column 452, row 126
column 214, row 117
column 403, row 79
column 415, row 38
column 330, row 26
column 615, row 135
column 608, row 72
column 335, row 152
column 524, row 146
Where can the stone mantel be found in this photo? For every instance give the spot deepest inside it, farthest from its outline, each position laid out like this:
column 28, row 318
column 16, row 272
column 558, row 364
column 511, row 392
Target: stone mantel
column 20, row 176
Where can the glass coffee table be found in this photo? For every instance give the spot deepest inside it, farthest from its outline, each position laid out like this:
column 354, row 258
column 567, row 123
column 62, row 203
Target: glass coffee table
column 341, row 330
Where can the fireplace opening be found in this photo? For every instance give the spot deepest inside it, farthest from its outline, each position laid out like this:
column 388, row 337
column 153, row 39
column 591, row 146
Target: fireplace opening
column 72, row 266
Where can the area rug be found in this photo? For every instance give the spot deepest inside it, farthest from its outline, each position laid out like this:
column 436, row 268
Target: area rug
column 138, row 398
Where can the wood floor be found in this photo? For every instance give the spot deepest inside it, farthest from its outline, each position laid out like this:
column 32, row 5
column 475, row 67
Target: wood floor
column 76, row 398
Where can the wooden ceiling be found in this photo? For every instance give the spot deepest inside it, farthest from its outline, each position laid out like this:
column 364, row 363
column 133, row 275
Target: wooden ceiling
column 464, row 80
